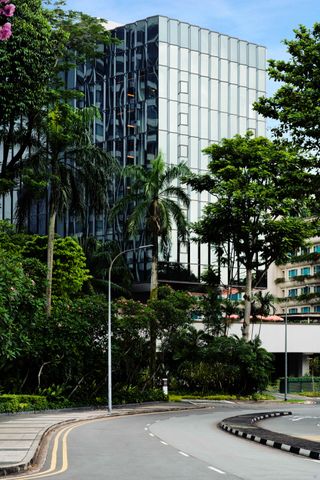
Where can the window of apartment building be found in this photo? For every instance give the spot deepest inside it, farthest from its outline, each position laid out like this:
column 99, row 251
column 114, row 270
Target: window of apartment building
column 317, row 289
column 293, row 310
column 305, row 290
column 305, row 271
column 293, row 292
column 316, row 248
column 305, row 309
column 316, row 308
column 305, row 250
column 316, row 269
column 292, row 273
column 235, row 296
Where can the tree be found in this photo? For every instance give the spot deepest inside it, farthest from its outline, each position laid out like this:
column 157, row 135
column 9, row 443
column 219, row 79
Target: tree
column 156, row 205
column 259, row 189
column 296, row 103
column 70, row 167
column 69, row 263
column 45, row 45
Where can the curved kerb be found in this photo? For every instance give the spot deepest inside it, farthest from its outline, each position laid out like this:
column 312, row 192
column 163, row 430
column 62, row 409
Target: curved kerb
column 244, row 426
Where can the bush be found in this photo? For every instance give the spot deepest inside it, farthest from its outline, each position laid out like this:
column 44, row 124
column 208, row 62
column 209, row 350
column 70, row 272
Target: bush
column 137, row 395
column 19, row 403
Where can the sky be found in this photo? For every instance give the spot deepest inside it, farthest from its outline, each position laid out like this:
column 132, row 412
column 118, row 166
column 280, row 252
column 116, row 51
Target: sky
column 265, row 22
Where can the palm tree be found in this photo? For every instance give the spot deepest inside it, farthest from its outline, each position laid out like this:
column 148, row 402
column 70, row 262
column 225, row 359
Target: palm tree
column 153, row 205
column 69, row 167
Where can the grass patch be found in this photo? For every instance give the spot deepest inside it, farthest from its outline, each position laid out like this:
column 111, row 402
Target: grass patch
column 256, row 397
column 309, row 394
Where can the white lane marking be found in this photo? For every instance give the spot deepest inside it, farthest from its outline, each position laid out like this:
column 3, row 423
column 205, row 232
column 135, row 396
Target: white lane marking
column 146, row 428
column 163, row 443
column 148, row 424
column 297, row 419
column 151, row 434
column 217, row 470
column 184, row 454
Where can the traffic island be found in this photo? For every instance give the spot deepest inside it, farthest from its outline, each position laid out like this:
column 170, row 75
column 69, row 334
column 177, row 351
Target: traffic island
column 244, row 426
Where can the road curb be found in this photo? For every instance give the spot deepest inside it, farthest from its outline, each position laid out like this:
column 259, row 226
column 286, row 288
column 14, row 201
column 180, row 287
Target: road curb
column 244, row 426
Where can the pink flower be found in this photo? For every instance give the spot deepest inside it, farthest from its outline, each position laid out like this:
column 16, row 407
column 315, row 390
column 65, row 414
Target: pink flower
column 4, row 1
column 8, row 10
column 5, row 31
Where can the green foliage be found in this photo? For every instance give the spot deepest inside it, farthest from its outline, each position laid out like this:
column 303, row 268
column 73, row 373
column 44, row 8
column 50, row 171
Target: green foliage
column 296, row 103
column 223, row 364
column 133, row 394
column 260, row 188
column 69, row 265
column 20, row 306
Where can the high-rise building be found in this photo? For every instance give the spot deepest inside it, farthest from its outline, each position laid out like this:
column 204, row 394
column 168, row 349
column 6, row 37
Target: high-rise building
column 173, row 87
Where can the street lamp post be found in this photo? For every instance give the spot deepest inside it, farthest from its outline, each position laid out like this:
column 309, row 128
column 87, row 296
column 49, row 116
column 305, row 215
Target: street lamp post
column 109, row 322
column 286, row 354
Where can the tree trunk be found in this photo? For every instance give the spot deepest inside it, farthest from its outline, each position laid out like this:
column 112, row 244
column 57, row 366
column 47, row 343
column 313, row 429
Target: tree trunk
column 51, row 230
column 247, row 305
column 153, row 321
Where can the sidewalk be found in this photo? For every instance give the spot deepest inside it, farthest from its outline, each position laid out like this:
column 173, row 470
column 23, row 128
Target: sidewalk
column 21, row 434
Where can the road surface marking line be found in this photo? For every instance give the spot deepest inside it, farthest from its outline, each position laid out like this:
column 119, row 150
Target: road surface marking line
column 151, row 434
column 297, row 419
column 217, row 470
column 184, row 454
column 146, row 428
column 163, row 443
column 54, row 456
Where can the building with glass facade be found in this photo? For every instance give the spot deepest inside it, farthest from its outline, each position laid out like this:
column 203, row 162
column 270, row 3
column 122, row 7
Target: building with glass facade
column 173, row 87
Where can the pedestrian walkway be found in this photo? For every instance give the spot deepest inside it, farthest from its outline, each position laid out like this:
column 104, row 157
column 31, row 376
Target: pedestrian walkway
column 22, row 434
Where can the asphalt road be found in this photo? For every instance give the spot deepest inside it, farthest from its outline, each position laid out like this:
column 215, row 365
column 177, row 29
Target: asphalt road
column 304, row 423
column 175, row 446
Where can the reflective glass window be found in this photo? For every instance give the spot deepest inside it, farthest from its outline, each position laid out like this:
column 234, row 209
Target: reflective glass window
column 252, row 55
column 204, row 92
column 233, row 125
column 173, row 84
column 184, row 59
column 233, row 92
column 243, row 75
column 204, row 121
column 243, row 52
column 214, row 125
column 183, row 87
column 163, row 82
column 163, row 53
column 152, row 55
column 152, row 29
column 163, row 29
column 204, row 61
column 224, row 70
column 252, row 97
column 224, row 124
column 183, row 151
column 163, row 113
column 141, row 33
column 252, row 77
column 194, row 67
column 261, row 51
column 173, row 51
column 261, row 80
column 223, row 46
column 204, row 41
column 194, row 38
column 173, row 25
column 214, row 93
column 214, row 73
column 152, row 85
column 224, row 97
column 184, row 35
column 183, row 119
column 233, row 70
column 194, row 123
column 233, row 42
column 173, row 116
column 194, row 89
column 243, row 101
column 214, row 37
